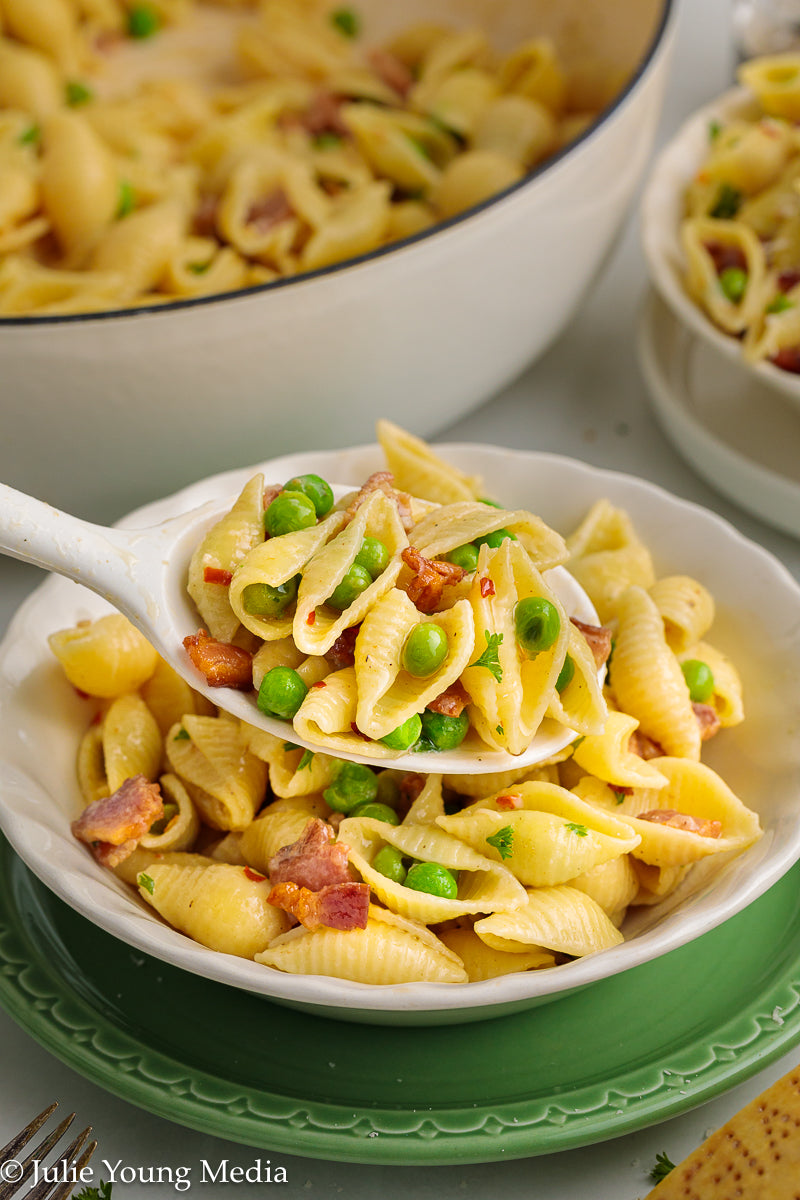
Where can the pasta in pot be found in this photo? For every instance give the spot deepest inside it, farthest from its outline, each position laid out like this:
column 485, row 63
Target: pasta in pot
column 307, row 863
column 170, row 149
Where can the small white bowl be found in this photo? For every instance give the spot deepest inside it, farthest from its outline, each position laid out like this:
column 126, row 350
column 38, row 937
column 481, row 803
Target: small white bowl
column 114, row 409
column 42, row 719
column 662, row 210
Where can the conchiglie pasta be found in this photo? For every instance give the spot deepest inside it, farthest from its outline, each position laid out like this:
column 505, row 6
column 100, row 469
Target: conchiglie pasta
column 132, row 742
column 418, row 470
column 106, row 657
column 482, row 961
column 226, row 782
column 562, row 919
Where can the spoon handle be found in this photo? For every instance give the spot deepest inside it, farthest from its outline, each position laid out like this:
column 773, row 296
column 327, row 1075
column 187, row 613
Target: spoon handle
column 97, row 557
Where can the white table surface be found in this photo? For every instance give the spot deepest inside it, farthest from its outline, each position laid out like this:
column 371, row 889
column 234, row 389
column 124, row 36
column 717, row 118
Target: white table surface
column 586, row 399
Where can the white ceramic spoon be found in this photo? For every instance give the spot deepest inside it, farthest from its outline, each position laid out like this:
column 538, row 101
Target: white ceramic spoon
column 143, row 572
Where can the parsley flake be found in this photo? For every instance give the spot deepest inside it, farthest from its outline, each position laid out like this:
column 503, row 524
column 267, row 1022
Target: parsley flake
column 618, row 796
column 727, row 202
column 490, row 657
column 77, row 93
column 779, row 304
column 503, row 841
column 198, row 268
column 714, row 130
column 103, row 1192
column 182, row 735
column 662, row 1168
column 305, row 761
column 290, row 746
column 30, row 136
column 578, row 741
column 147, row 882
column 127, row 199
column 499, row 730
column 346, row 21
column 574, row 827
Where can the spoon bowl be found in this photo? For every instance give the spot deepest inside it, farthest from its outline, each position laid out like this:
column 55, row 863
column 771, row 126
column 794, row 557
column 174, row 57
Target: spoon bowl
column 143, row 573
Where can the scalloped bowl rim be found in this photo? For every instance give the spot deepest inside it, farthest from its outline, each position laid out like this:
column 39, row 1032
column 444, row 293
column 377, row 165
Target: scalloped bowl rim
column 32, row 690
column 660, row 214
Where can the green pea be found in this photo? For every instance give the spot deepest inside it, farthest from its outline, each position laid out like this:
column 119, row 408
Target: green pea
column 356, row 581
column 354, row 784
column 389, row 862
column 404, row 736
column 378, row 812
column 495, row 538
column 443, row 732
column 566, row 674
column 388, row 789
column 263, row 600
column 432, row 878
column 317, row 490
column 733, row 281
column 170, row 811
column 143, row 21
column 537, row 624
column 281, row 693
column 699, row 680
column 373, row 556
column 465, row 556
column 779, row 304
column 289, row 512
column 425, row 649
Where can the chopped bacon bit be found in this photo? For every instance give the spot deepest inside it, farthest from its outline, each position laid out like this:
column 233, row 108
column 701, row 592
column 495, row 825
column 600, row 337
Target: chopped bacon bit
column 391, row 70
column 430, row 578
column 639, row 743
column 724, row 255
column 343, row 651
column 324, row 115
column 487, row 587
column 452, row 702
column 204, row 222
column 270, row 493
column 383, row 481
column 678, row 820
column 269, row 211
column 254, row 875
column 336, row 906
column 319, row 684
column 788, row 278
column 223, row 664
column 217, row 575
column 598, row 639
column 410, row 787
column 313, row 861
column 81, row 694
column 707, row 719
column 312, row 617
column 621, row 789
column 119, row 820
column 506, row 803
column 354, row 729
column 97, row 718
column 788, row 359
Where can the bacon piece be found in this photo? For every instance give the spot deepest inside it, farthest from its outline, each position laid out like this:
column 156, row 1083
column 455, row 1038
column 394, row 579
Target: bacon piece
column 707, row 719
column 598, row 638
column 487, row 587
column 204, row 221
column 269, row 211
column 324, row 115
column 270, row 493
column 383, row 481
column 509, row 802
column 410, row 787
column 314, row 861
column 343, row 651
column 391, row 70
column 724, row 256
column 337, row 906
column 217, row 575
column 430, row 578
column 222, row 664
column 679, row 820
column 451, row 703
column 788, row 359
column 639, row 743
column 117, row 822
column 788, row 278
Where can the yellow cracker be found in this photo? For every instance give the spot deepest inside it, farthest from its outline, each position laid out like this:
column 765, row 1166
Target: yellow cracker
column 755, row 1156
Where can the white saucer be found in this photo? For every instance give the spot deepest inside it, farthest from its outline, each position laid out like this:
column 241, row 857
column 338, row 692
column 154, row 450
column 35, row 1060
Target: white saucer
column 737, row 432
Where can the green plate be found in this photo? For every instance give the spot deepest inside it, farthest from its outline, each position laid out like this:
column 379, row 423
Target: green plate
column 619, row 1055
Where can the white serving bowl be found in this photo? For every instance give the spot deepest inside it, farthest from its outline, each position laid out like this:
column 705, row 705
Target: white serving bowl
column 662, row 210
column 117, row 408
column 42, row 719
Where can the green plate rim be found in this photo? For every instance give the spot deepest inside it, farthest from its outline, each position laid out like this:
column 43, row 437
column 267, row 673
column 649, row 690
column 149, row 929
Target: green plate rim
column 47, row 1006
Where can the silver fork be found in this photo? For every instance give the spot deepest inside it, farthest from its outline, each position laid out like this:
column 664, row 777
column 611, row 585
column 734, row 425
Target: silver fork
column 64, row 1173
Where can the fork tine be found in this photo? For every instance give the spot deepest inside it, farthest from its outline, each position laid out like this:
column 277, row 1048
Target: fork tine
column 66, row 1161
column 35, row 1156
column 15, row 1145
column 63, row 1190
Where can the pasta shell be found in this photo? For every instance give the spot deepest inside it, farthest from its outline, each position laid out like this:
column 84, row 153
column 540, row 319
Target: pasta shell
column 226, row 781
column 562, row 919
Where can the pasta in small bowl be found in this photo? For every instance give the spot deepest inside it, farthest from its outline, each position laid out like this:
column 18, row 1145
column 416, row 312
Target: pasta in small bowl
column 720, row 219
column 395, row 896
